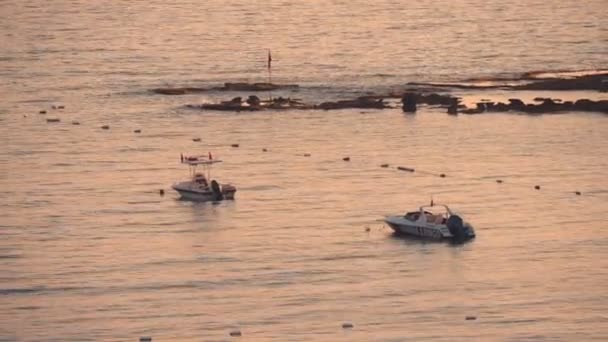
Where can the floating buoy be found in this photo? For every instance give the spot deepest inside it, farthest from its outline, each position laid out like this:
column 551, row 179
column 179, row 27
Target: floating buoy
column 578, row 193
column 42, row 112
column 52, row 120
column 347, row 325
column 54, row 107
column 25, row 116
column 236, row 333
column 367, row 229
column 442, row 175
column 537, row 187
column 235, row 145
column 499, row 181
column 384, row 165
column 60, row 107
column 137, row 131
column 346, row 158
column 470, row 318
column 264, row 150
column 75, row 123
column 145, row 339
column 161, row 192
column 403, row 168
column 306, row 154
column 196, row 139
column 105, row 127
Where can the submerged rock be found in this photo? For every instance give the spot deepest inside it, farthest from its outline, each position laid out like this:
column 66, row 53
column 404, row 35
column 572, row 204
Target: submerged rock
column 360, row 102
column 226, row 87
column 410, row 102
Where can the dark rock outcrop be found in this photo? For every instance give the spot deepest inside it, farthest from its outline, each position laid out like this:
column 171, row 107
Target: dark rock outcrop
column 588, row 82
column 410, row 102
column 360, row 102
column 546, row 107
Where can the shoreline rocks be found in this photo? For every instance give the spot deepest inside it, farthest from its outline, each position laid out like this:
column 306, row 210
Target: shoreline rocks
column 547, row 106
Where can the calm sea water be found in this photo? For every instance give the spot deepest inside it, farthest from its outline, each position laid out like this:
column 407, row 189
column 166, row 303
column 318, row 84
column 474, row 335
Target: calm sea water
column 89, row 250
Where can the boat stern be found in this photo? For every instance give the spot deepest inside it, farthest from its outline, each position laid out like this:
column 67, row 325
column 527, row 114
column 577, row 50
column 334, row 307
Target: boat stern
column 228, row 190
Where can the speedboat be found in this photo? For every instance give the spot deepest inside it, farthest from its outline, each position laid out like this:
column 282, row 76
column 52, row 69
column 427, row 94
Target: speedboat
column 198, row 188
column 434, row 221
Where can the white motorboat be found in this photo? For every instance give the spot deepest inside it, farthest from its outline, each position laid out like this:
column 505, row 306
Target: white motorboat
column 434, row 221
column 198, row 188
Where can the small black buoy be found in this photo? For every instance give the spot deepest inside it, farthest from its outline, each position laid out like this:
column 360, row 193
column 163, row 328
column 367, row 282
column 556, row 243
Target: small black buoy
column 470, row 318
column 306, row 154
column 60, row 107
column 346, row 158
column 537, row 187
column 54, row 107
column 42, row 112
column 264, row 150
column 234, row 145
column 161, row 192
column 367, row 229
column 25, row 116
column 236, row 333
column 196, row 139
column 105, row 127
column 384, row 165
column 137, row 131
column 145, row 339
column 442, row 175
column 347, row 325
column 499, row 181
column 75, row 123
column 52, row 120
column 578, row 193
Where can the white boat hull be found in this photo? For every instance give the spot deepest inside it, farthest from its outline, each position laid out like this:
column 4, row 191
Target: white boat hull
column 424, row 230
column 200, row 194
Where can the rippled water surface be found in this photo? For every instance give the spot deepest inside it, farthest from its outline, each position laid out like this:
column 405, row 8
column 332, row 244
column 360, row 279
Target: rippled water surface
column 89, row 250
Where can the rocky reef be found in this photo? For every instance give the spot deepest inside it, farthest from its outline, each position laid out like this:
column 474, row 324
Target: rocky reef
column 226, row 87
column 546, row 106
column 415, row 94
column 252, row 104
column 527, row 81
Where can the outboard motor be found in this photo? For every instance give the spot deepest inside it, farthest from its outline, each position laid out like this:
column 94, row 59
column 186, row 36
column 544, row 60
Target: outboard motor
column 217, row 191
column 457, row 228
